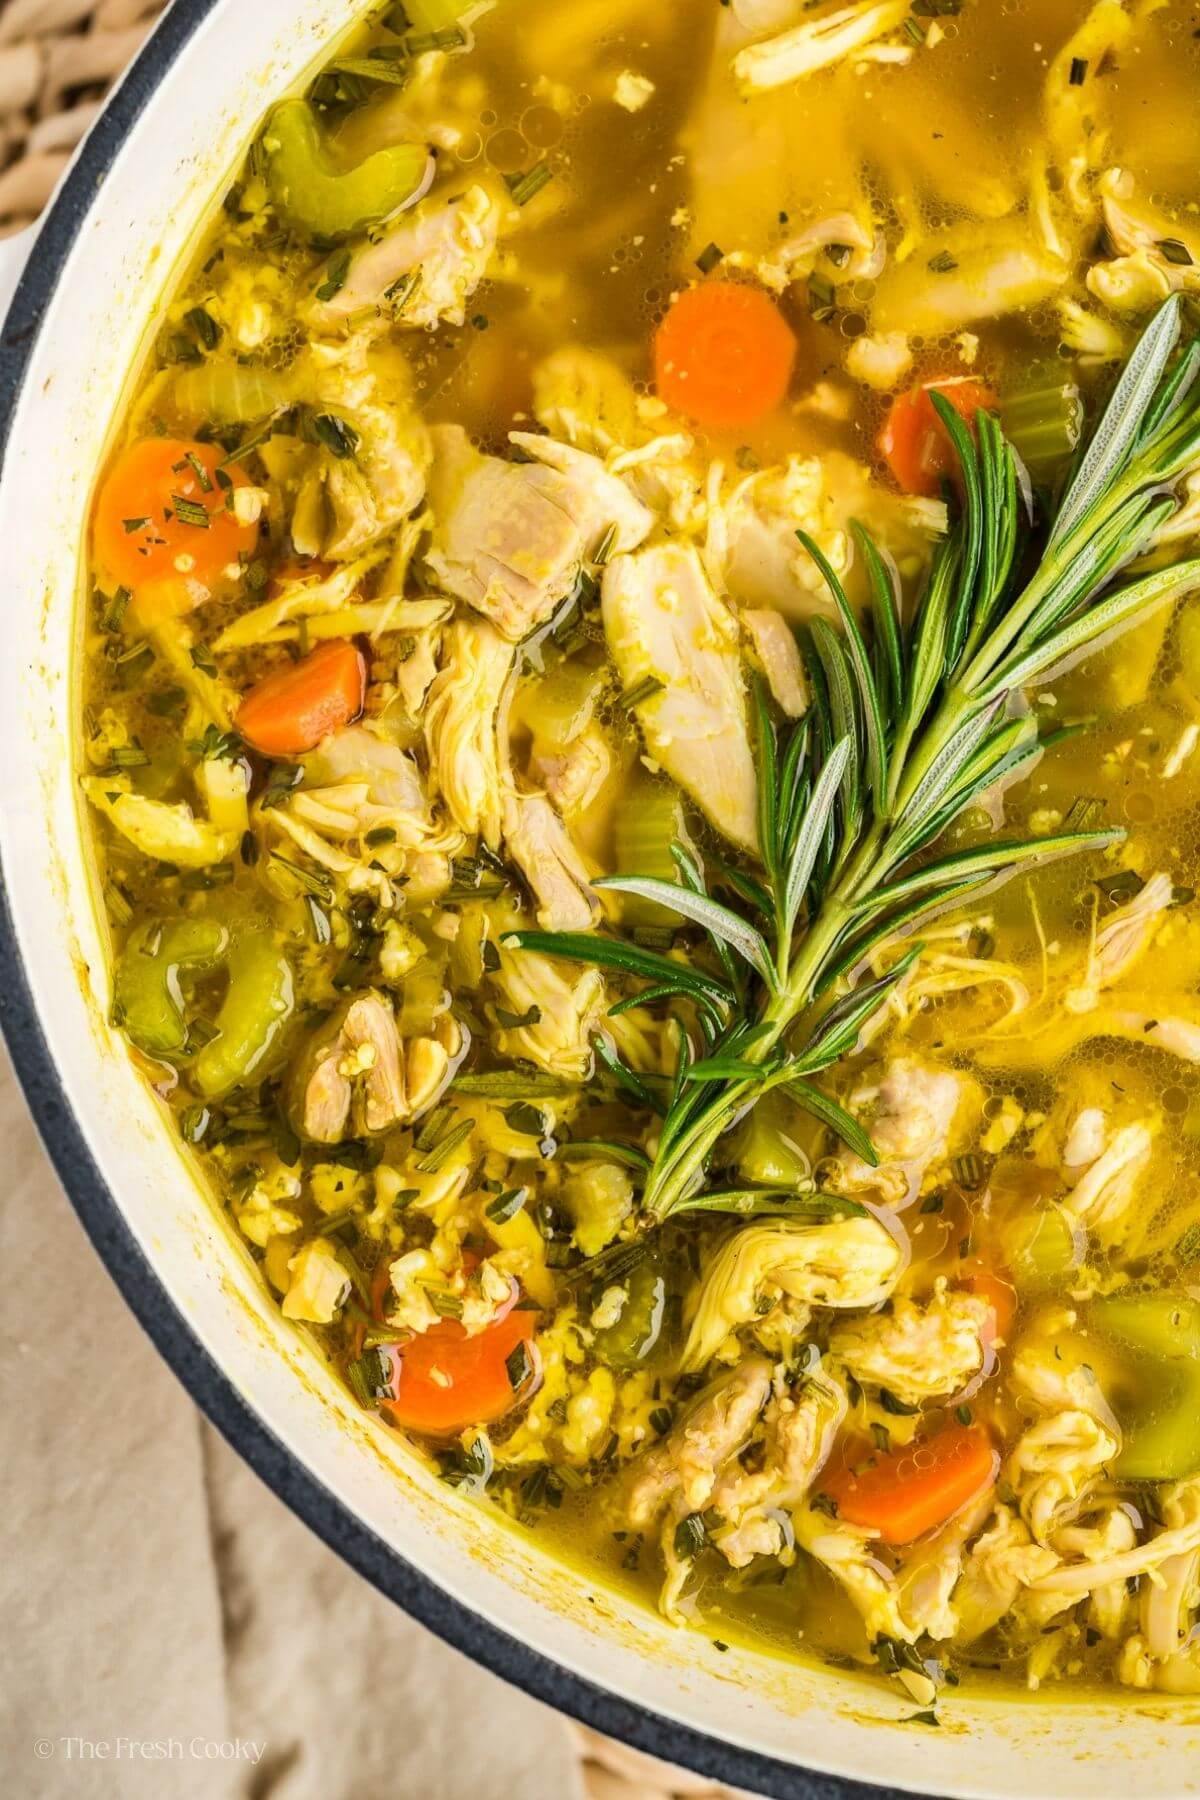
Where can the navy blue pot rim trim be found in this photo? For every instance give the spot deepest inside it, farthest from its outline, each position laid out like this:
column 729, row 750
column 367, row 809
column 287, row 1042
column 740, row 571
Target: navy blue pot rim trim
column 104, row 1223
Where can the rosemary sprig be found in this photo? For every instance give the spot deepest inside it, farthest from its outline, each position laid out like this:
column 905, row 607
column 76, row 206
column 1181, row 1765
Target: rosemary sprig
column 909, row 726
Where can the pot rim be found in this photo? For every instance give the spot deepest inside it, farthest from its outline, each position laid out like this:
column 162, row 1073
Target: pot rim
column 104, row 1222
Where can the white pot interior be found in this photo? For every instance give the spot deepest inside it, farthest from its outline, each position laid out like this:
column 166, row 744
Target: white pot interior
column 166, row 174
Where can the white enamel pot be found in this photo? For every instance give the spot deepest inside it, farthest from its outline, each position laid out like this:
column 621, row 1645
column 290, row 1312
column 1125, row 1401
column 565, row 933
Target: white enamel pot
column 89, row 295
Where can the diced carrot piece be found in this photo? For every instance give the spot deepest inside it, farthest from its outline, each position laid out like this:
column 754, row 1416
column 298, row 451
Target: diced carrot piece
column 446, row 1380
column 910, row 1492
column 723, row 355
column 291, row 711
column 915, row 444
column 164, row 520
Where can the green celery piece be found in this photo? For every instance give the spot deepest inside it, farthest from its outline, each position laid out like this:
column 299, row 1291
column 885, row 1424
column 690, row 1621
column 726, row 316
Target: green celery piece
column 1157, row 1338
column 146, row 993
column 317, row 197
column 253, row 1018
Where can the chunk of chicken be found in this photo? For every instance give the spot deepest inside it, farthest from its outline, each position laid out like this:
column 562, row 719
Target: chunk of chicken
column 1121, row 943
column 510, row 538
column 665, row 626
column 930, row 1572
column 574, row 776
column 964, row 275
column 847, row 1262
column 778, row 655
column 847, row 1552
column 1180, row 1536
column 369, row 471
column 799, row 1430
column 558, row 1013
column 461, row 726
column 1003, row 1561
column 817, row 44
column 539, row 844
column 600, row 502
column 319, row 1284
column 173, row 833
column 356, row 1076
column 424, row 269
column 921, row 1113
column 916, row 1350
column 685, row 1466
column 1141, row 274
column 752, row 548
column 1102, row 1198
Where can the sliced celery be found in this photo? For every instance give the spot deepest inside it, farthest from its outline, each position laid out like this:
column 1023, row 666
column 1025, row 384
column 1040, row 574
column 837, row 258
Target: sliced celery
column 1157, row 1395
column 322, row 200
column 250, row 1025
column 1042, row 1247
column 650, row 820
column 1044, row 423
column 147, row 998
column 633, row 1338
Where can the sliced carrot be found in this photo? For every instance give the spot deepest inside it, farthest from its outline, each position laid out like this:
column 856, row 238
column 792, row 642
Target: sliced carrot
column 291, row 711
column 723, row 355
column 999, row 1294
column 446, row 1380
column 915, row 444
column 906, row 1494
column 164, row 517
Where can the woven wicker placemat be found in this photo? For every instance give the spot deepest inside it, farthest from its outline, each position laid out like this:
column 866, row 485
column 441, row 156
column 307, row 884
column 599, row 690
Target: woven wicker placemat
column 58, row 58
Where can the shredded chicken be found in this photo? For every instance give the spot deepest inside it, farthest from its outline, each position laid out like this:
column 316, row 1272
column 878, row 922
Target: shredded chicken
column 778, row 656
column 847, row 1552
column 670, row 635
column 847, row 1263
column 461, row 726
column 816, row 45
column 539, row 844
column 686, row 1465
column 800, row 1426
column 919, row 1112
column 424, row 269
column 1180, row 1536
column 510, row 538
column 350, row 496
column 1001, row 1562
column 546, row 1013
column 357, row 1077
column 916, row 1350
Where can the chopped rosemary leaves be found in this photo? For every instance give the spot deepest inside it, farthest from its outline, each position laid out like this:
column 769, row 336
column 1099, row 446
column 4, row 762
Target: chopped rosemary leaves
column 524, row 186
column 709, row 257
column 444, row 1148
column 190, row 512
column 642, row 690
column 519, row 1365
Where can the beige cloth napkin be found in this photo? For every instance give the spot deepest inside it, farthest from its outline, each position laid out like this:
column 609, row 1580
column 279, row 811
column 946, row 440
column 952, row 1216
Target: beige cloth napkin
column 153, row 1593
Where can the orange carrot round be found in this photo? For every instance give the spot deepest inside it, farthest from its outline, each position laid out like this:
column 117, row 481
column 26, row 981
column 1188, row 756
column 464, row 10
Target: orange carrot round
column 723, row 355
column 914, row 443
column 290, row 711
column 162, row 515
column 446, row 1380
column 910, row 1492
